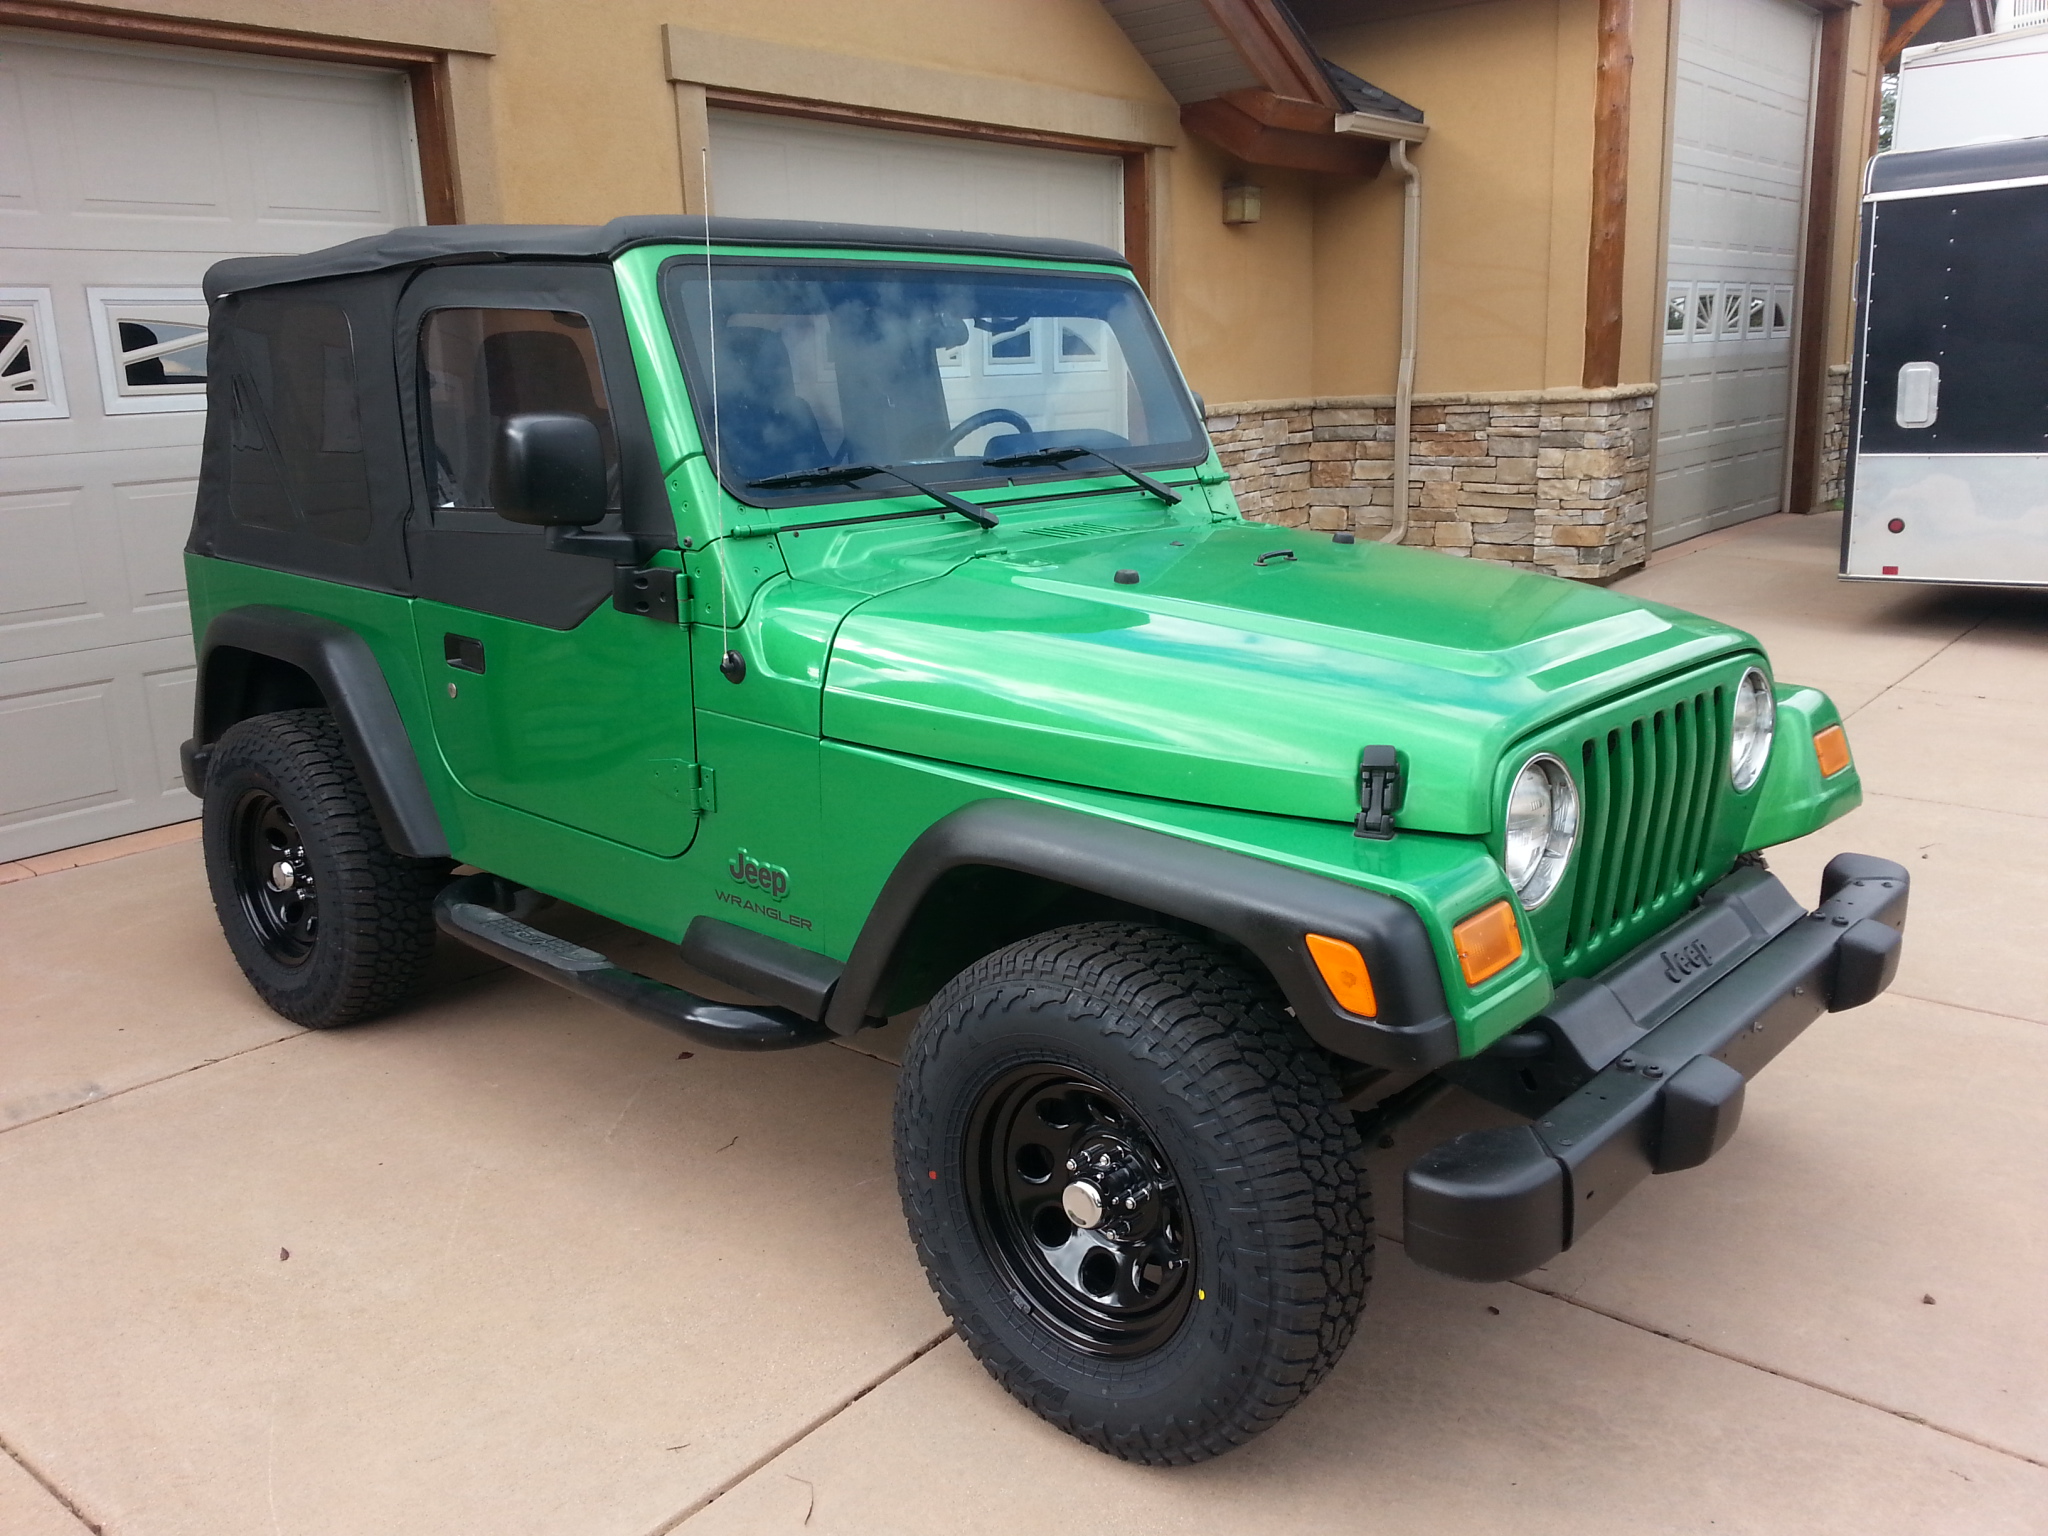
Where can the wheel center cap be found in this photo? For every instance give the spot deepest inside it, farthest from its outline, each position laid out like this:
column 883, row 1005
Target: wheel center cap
column 1082, row 1202
column 282, row 874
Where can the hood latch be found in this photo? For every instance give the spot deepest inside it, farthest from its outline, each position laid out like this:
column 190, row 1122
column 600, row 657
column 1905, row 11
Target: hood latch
column 1380, row 788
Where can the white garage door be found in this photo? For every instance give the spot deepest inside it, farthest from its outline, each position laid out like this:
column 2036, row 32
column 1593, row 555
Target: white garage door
column 786, row 168
column 124, row 173
column 1738, row 177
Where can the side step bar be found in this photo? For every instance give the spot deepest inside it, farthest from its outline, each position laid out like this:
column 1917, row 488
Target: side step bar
column 463, row 911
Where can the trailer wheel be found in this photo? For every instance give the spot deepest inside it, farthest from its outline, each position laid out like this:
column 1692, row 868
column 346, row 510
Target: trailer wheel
column 1134, row 1187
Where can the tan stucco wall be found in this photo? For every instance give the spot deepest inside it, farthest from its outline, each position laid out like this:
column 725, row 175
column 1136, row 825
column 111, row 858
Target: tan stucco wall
column 1507, row 87
column 1241, row 302
column 617, row 153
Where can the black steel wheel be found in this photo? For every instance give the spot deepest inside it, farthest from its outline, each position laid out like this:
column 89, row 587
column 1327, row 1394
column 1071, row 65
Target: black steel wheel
column 328, row 923
column 1134, row 1187
column 273, row 878
column 1076, row 1202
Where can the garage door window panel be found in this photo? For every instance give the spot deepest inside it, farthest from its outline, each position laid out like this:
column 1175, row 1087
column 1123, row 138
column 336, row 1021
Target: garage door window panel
column 158, row 356
column 20, row 378
column 31, row 385
column 151, row 345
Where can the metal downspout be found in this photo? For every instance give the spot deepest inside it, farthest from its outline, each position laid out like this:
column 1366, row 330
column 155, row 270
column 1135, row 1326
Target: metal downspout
column 1404, row 377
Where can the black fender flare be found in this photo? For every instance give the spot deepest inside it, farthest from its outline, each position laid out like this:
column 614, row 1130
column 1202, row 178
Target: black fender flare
column 353, row 686
column 1266, row 907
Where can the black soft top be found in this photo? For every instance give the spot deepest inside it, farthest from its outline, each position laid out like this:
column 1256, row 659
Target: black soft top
column 443, row 244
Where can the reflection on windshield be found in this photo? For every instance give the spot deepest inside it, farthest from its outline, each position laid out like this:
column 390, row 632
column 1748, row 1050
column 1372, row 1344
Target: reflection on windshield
column 821, row 364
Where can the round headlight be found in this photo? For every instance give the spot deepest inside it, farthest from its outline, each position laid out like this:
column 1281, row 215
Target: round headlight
column 1542, row 824
column 1756, row 713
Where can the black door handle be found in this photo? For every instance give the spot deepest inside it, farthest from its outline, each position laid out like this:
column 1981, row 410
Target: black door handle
column 463, row 652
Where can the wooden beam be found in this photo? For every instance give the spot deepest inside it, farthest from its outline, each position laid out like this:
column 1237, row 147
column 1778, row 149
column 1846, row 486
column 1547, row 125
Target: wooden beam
column 1138, row 216
column 1910, row 28
column 1266, row 38
column 1283, row 111
column 1238, row 134
column 1810, row 343
column 430, row 119
column 1607, row 242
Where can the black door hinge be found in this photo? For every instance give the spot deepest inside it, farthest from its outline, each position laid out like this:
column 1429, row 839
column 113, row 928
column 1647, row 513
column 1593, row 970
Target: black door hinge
column 653, row 591
column 1380, row 787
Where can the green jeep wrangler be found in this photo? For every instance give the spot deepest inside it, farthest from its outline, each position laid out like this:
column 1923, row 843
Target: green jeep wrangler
column 865, row 612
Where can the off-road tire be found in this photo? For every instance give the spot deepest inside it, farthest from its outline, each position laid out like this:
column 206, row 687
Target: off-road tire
column 365, row 952
column 1247, row 1115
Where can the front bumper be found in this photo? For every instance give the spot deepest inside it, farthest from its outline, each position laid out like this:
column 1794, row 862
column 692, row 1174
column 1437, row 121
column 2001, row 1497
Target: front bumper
column 1641, row 1070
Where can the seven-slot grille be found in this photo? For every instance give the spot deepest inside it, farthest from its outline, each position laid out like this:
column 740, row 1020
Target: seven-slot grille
column 1646, row 799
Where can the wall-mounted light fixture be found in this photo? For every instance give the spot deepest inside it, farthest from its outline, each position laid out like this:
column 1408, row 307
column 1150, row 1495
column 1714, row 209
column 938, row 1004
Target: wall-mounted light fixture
column 1240, row 204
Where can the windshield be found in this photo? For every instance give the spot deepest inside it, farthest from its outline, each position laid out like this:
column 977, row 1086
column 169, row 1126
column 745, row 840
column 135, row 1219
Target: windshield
column 826, row 364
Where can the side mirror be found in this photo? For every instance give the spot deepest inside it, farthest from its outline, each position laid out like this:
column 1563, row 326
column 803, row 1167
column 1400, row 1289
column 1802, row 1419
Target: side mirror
column 547, row 470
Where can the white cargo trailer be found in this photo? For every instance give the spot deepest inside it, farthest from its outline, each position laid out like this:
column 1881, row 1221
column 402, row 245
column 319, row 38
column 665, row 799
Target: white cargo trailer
column 1948, row 449
column 1973, row 91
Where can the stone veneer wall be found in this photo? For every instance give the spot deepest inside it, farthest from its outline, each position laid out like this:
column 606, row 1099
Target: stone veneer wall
column 1834, row 441
column 1553, row 480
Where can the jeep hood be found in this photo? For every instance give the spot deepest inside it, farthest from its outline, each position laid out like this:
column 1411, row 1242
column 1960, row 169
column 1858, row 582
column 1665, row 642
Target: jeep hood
column 1222, row 681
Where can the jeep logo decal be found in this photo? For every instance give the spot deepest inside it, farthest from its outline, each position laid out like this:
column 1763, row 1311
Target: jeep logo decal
column 771, row 878
column 1681, row 962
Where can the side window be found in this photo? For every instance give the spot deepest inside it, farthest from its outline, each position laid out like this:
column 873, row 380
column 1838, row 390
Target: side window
column 480, row 366
column 296, row 443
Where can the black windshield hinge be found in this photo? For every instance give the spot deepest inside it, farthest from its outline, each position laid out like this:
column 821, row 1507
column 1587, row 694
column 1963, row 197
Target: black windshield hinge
column 1380, row 787
column 653, row 591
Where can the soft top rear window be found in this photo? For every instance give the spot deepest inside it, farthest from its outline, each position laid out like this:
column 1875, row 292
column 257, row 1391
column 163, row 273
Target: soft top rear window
column 296, row 463
column 818, row 364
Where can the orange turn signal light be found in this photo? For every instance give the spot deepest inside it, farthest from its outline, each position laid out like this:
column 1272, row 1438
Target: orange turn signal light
column 1344, row 973
column 1488, row 942
column 1831, row 746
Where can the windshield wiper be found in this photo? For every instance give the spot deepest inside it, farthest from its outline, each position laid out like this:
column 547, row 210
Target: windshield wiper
column 846, row 474
column 1042, row 458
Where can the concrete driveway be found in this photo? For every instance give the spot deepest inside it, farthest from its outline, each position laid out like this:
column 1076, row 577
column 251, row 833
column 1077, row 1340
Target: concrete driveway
column 512, row 1264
